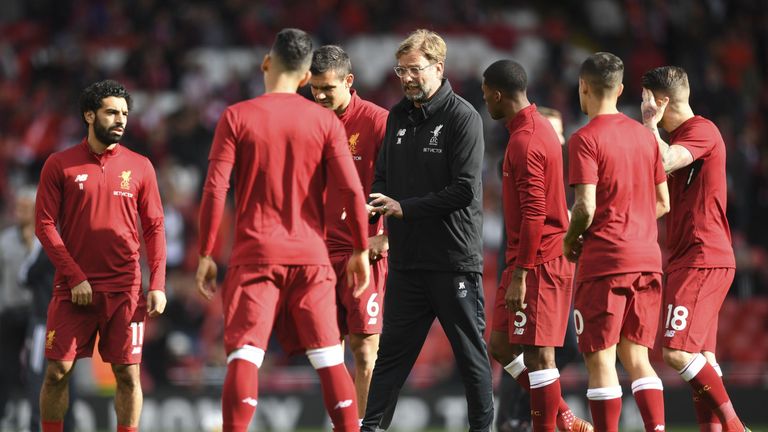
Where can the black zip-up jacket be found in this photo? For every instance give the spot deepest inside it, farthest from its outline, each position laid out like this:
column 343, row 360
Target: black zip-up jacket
column 431, row 163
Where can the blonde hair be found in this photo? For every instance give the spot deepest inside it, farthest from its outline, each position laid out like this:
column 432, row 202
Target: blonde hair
column 428, row 42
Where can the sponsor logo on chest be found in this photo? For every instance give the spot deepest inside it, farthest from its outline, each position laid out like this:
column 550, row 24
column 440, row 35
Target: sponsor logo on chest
column 433, row 140
column 125, row 185
column 353, row 141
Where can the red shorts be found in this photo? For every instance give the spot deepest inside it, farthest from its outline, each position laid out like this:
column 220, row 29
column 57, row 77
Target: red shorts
column 692, row 301
column 118, row 318
column 548, row 290
column 297, row 300
column 609, row 307
column 362, row 315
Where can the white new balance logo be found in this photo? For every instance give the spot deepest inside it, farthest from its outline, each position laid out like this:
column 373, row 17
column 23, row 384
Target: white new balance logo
column 343, row 404
column 81, row 178
column 659, row 428
column 250, row 401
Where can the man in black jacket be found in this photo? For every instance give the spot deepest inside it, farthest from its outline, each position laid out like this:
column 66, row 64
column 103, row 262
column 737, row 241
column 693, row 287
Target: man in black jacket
column 428, row 185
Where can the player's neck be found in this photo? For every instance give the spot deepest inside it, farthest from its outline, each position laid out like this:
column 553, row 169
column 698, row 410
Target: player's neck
column 518, row 104
column 598, row 107
column 676, row 115
column 343, row 108
column 97, row 146
column 282, row 83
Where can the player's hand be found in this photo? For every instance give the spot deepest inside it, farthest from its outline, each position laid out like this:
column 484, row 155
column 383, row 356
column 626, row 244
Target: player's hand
column 386, row 206
column 82, row 293
column 377, row 245
column 572, row 250
column 358, row 272
column 155, row 303
column 205, row 278
column 652, row 110
column 515, row 295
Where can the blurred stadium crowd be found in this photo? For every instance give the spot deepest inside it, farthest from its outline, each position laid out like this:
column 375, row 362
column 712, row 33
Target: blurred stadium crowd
column 185, row 61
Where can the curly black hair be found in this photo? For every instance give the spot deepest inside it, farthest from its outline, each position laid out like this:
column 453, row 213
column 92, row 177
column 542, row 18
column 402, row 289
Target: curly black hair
column 91, row 97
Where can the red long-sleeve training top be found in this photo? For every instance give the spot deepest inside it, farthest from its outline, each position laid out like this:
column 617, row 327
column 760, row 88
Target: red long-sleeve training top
column 94, row 199
column 283, row 149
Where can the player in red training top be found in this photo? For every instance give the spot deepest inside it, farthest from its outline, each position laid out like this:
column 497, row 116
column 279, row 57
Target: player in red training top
column 365, row 123
column 701, row 264
column 279, row 272
column 534, row 298
column 93, row 191
column 621, row 190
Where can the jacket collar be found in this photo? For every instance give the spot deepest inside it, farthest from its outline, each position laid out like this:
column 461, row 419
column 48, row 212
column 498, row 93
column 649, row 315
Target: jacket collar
column 427, row 109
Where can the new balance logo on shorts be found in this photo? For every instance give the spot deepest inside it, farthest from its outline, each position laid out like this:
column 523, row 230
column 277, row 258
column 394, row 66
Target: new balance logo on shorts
column 659, row 428
column 343, row 404
column 669, row 333
column 462, row 292
column 250, row 401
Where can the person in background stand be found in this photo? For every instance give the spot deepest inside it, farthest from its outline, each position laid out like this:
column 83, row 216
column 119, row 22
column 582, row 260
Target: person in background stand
column 37, row 274
column 16, row 243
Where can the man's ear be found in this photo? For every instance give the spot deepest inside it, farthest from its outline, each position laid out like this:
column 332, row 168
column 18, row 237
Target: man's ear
column 265, row 64
column 89, row 117
column 305, row 78
column 349, row 80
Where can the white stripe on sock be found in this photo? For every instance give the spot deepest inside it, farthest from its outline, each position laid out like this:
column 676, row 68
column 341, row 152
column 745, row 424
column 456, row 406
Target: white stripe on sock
column 604, row 393
column 515, row 367
column 693, row 367
column 647, row 383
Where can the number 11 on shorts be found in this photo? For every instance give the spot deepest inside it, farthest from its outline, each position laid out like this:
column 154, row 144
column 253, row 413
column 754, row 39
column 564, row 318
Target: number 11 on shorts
column 137, row 337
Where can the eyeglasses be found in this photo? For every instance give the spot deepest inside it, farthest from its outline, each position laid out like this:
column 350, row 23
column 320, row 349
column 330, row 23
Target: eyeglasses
column 413, row 71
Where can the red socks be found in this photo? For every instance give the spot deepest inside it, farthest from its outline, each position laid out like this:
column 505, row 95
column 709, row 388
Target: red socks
column 605, row 405
column 239, row 395
column 649, row 395
column 545, row 398
column 52, row 426
column 708, row 386
column 705, row 416
column 127, row 428
column 339, row 397
column 520, row 373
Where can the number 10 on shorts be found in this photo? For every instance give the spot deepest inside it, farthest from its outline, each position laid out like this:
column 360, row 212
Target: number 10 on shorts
column 137, row 337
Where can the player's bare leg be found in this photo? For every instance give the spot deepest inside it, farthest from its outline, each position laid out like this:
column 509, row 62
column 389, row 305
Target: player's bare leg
column 364, row 349
column 128, row 395
column 604, row 390
column 646, row 385
column 54, row 394
column 698, row 369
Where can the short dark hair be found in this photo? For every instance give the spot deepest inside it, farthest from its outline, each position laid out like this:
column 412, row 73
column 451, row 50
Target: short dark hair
column 507, row 76
column 91, row 97
column 293, row 49
column 603, row 71
column 667, row 79
column 331, row 57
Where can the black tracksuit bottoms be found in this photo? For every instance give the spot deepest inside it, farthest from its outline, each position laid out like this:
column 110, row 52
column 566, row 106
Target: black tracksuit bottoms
column 412, row 301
